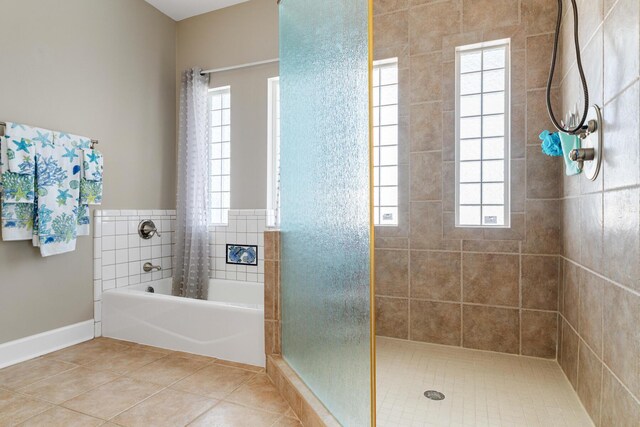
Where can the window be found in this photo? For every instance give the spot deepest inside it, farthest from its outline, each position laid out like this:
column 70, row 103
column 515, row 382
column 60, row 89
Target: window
column 385, row 142
column 220, row 153
column 482, row 135
column 273, row 153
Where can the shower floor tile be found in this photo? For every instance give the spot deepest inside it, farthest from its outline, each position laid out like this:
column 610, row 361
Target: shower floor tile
column 117, row 383
column 481, row 388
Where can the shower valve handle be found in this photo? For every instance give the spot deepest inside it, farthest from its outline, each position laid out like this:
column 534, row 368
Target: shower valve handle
column 582, row 154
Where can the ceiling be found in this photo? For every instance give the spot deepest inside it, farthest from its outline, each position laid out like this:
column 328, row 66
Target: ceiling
column 182, row 9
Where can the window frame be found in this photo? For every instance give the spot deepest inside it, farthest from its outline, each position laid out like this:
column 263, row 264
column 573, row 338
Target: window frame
column 273, row 152
column 210, row 94
column 459, row 51
column 377, row 221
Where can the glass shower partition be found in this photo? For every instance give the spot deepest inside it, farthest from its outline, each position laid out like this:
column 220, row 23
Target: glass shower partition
column 325, row 201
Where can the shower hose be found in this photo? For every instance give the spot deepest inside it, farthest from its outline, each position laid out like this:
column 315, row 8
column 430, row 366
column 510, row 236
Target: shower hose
column 552, row 116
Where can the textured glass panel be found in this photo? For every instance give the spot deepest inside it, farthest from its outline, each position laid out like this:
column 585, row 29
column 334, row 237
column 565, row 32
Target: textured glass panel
column 493, row 103
column 470, row 149
column 469, row 215
column 493, row 194
column 389, row 95
column 388, row 156
column 389, row 115
column 493, row 215
column 325, row 222
column 493, row 148
column 389, row 175
column 388, row 216
column 389, row 135
column 493, row 125
column 493, row 170
column 470, row 62
column 494, row 58
column 470, row 105
column 388, row 76
column 493, row 81
column 470, row 194
column 470, row 83
column 470, row 171
column 470, row 127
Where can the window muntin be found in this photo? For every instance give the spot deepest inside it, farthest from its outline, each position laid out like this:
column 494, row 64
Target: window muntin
column 483, row 135
column 273, row 153
column 385, row 142
column 220, row 154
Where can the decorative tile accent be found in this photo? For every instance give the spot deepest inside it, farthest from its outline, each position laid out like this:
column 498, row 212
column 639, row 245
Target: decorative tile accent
column 245, row 228
column 242, row 254
column 119, row 253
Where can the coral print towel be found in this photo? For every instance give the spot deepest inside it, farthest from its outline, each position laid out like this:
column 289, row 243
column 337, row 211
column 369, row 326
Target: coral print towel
column 17, row 175
column 58, row 174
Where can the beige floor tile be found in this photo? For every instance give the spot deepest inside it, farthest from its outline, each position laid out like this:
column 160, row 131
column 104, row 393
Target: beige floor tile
column 87, row 351
column 287, row 422
column 23, row 374
column 192, row 356
column 168, row 408
column 61, row 417
column 214, row 381
column 167, row 370
column 150, row 348
column 125, row 361
column 244, row 366
column 68, row 385
column 15, row 408
column 227, row 414
column 260, row 393
column 112, row 398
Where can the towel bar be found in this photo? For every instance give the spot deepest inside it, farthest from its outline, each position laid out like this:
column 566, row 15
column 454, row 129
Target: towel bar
column 3, row 127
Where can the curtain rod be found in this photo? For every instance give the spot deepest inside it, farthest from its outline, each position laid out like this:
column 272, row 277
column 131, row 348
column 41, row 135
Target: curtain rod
column 3, row 127
column 237, row 67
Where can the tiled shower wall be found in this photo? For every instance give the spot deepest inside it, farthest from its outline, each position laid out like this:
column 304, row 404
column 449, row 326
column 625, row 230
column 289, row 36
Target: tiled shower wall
column 119, row 252
column 494, row 289
column 600, row 304
column 245, row 227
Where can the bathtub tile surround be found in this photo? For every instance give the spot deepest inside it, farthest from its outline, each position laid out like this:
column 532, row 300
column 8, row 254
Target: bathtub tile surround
column 245, row 227
column 130, row 384
column 272, row 313
column 600, row 294
column 492, row 289
column 119, row 252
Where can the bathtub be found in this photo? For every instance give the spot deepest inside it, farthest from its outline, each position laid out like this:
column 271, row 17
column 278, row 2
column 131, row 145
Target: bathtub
column 229, row 326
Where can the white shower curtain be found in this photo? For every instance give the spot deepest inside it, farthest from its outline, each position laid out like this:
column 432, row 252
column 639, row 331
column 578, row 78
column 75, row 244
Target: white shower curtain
column 191, row 273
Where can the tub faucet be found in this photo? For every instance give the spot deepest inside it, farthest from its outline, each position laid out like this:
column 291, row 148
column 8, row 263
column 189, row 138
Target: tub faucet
column 147, row 267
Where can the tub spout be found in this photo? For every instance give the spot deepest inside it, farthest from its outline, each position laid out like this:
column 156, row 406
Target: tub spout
column 147, row 267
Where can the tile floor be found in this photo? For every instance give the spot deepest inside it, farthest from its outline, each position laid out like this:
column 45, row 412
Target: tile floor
column 481, row 388
column 115, row 383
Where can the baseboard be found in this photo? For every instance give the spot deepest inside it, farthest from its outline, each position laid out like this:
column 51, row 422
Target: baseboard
column 17, row 351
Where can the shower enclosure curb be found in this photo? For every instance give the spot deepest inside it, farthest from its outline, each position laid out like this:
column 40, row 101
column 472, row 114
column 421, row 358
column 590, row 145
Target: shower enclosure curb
column 308, row 408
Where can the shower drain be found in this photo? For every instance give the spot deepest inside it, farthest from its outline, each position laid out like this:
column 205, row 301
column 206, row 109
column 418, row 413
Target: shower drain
column 433, row 395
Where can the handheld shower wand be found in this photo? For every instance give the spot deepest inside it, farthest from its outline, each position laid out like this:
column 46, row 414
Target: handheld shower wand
column 561, row 127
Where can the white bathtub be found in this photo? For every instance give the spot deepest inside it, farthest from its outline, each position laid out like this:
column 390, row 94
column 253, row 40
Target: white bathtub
column 229, row 326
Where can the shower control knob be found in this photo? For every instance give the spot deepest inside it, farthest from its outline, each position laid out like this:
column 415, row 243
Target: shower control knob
column 582, row 154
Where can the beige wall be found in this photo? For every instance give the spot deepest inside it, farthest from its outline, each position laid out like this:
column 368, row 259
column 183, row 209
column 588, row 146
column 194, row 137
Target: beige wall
column 600, row 298
column 104, row 69
column 240, row 34
column 493, row 289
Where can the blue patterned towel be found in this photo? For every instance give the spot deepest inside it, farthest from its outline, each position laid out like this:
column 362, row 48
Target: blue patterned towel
column 21, row 141
column 91, row 184
column 58, row 181
column 18, row 194
column 80, row 143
